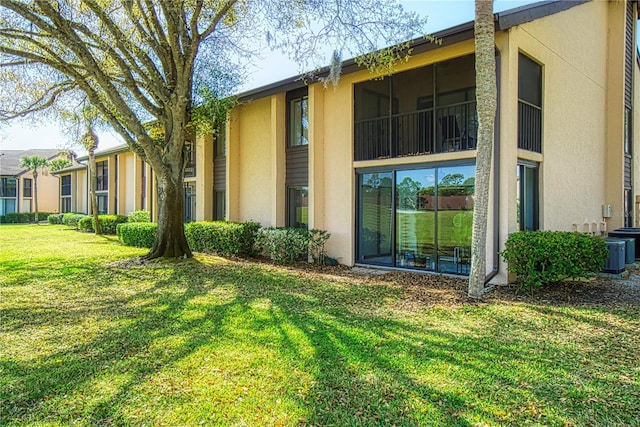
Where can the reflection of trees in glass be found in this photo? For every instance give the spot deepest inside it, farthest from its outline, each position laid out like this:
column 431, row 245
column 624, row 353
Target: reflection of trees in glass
column 454, row 184
column 407, row 193
column 462, row 228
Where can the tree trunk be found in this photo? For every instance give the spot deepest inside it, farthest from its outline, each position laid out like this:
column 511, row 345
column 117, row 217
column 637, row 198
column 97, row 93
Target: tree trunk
column 35, row 194
column 170, row 240
column 486, row 94
column 92, row 190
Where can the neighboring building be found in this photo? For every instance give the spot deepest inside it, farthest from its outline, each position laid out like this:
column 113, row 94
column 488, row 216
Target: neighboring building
column 124, row 183
column 17, row 190
column 386, row 164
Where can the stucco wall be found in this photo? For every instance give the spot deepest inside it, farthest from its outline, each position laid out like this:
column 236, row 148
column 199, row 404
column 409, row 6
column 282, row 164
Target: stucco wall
column 574, row 168
column 253, row 166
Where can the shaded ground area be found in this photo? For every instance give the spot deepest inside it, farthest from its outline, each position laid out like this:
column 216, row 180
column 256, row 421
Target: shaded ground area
column 439, row 290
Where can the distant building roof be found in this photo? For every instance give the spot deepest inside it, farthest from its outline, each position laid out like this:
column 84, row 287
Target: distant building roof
column 76, row 167
column 113, row 150
column 10, row 159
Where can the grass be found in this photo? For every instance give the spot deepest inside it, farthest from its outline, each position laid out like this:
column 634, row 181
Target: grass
column 89, row 338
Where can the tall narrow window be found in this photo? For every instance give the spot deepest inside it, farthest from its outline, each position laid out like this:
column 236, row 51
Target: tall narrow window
column 102, row 200
column 527, row 199
column 297, row 159
column 375, row 218
column 298, row 121
column 298, row 203
column 219, row 207
column 190, row 157
column 65, row 193
column 26, row 187
column 529, row 104
column 102, row 176
column 189, row 201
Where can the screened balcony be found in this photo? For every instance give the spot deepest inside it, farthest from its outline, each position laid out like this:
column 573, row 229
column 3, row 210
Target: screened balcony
column 400, row 115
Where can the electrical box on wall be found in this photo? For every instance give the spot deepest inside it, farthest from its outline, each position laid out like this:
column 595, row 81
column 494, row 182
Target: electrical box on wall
column 606, row 211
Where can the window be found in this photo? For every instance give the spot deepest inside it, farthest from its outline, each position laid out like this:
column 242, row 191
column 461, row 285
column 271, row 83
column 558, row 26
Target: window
column 220, row 148
column 298, row 121
column 527, row 198
column 189, row 209
column 190, row 157
column 298, row 207
column 426, row 110
column 65, row 185
column 103, row 206
column 219, row 207
column 7, row 206
column 102, row 176
column 529, row 104
column 26, row 187
column 65, row 205
column 417, row 218
column 8, row 187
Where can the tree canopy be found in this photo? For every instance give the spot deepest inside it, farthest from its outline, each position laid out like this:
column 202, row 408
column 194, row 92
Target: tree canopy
column 167, row 62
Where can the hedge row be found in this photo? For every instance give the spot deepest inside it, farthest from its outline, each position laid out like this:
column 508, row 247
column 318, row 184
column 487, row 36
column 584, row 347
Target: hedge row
column 22, row 217
column 541, row 257
column 284, row 245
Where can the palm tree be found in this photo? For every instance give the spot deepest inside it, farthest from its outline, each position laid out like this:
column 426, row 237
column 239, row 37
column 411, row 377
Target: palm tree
column 33, row 164
column 90, row 143
column 486, row 97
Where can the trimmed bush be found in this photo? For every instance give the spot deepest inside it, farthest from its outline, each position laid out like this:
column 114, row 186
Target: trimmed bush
column 24, row 217
column 140, row 216
column 138, row 234
column 55, row 218
column 222, row 237
column 541, row 257
column 85, row 224
column 71, row 219
column 108, row 223
column 287, row 245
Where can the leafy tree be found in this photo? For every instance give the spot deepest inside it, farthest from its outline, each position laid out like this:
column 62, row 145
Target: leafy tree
column 486, row 96
column 451, row 180
column 170, row 63
column 33, row 164
column 58, row 164
column 407, row 192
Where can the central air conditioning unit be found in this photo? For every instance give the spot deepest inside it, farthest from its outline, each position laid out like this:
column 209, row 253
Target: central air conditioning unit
column 616, row 260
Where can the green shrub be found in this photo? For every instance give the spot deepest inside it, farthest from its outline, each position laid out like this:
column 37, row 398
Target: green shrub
column 287, row 245
column 140, row 216
column 71, row 219
column 85, row 224
column 222, row 237
column 541, row 257
column 24, row 217
column 139, row 234
column 55, row 218
column 108, row 223
column 3, row 220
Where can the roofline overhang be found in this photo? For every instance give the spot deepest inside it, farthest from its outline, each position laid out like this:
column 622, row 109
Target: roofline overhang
column 123, row 148
column 503, row 21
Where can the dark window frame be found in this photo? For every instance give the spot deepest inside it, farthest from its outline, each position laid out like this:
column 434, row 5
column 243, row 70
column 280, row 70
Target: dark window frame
column 65, row 187
column 294, row 97
column 523, row 183
column 292, row 206
column 102, row 175
column 190, row 159
column 27, row 189
column 530, row 104
column 6, row 190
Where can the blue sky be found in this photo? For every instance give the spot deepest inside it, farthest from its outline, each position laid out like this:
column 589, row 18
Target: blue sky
column 272, row 67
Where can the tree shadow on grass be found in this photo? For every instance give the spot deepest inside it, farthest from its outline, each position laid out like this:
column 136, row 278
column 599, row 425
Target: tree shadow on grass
column 342, row 356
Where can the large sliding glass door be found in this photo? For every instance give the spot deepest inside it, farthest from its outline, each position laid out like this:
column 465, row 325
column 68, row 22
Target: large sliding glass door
column 415, row 218
column 419, row 218
column 375, row 218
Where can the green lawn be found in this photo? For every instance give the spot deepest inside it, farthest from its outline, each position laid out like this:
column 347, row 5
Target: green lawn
column 89, row 338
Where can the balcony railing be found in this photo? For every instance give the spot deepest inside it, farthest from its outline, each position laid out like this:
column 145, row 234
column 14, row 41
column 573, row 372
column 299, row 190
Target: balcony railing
column 449, row 128
column 529, row 127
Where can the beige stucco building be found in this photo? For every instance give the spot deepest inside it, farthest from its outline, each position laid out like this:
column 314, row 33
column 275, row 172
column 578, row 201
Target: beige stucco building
column 18, row 186
column 386, row 164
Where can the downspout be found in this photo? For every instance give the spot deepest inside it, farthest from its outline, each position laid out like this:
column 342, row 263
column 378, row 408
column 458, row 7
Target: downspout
column 496, row 180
